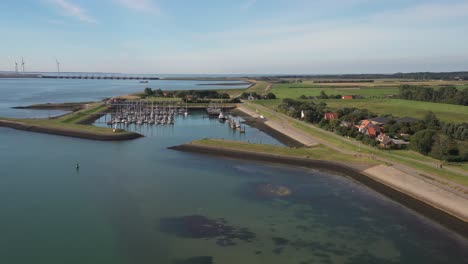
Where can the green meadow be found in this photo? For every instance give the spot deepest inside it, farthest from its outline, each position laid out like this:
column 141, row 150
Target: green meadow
column 395, row 107
column 295, row 90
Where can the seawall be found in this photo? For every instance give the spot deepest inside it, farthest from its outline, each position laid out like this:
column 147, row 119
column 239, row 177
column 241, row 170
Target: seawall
column 69, row 132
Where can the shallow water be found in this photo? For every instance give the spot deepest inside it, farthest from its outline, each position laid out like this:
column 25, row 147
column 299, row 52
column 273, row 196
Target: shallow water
column 138, row 202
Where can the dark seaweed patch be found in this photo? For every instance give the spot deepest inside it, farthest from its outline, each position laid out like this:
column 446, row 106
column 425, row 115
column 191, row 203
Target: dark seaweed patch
column 279, row 241
column 277, row 250
column 200, row 227
column 195, row 260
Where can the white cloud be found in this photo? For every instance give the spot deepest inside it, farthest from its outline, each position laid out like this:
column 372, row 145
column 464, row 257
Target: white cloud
column 147, row 6
column 73, row 10
column 248, row 4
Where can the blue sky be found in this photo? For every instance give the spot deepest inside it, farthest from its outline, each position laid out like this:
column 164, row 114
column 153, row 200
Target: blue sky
column 243, row 36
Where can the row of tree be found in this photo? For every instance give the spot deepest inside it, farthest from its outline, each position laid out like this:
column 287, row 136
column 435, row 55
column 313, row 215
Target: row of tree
column 428, row 136
column 256, row 96
column 202, row 94
column 408, row 76
column 445, row 94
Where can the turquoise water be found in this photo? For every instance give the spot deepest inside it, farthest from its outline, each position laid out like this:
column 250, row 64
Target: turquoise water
column 138, row 202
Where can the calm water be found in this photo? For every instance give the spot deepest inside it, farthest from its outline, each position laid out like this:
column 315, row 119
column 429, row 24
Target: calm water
column 138, row 202
column 23, row 92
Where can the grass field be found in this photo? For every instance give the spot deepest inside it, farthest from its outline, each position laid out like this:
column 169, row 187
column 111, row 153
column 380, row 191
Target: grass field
column 390, row 83
column 399, row 107
column 296, row 90
column 379, row 88
column 396, row 107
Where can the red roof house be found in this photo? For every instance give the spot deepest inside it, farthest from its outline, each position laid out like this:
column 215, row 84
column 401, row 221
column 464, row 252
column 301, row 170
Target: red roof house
column 368, row 128
column 347, row 97
column 331, row 116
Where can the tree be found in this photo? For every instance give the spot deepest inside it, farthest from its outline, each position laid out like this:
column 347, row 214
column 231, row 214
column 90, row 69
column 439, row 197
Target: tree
column 149, row 91
column 270, row 96
column 431, row 121
column 323, row 95
column 422, row 141
column 244, row 95
column 224, row 96
column 158, row 93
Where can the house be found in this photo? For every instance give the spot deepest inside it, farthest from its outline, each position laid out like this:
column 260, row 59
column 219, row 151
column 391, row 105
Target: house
column 380, row 121
column 347, row 97
column 372, row 130
column 387, row 142
column 399, row 143
column 368, row 128
column 331, row 116
column 406, row 119
column 346, row 124
column 363, row 125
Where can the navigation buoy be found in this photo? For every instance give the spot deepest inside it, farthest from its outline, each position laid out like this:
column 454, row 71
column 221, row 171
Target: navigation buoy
column 77, row 166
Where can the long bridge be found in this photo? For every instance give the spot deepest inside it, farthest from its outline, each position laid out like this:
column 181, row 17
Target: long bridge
column 99, row 77
column 81, row 76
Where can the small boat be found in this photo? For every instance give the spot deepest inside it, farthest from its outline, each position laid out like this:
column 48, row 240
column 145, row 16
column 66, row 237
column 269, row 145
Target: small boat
column 143, row 81
column 221, row 117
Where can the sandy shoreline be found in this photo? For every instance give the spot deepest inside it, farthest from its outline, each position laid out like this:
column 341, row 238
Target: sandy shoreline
column 455, row 220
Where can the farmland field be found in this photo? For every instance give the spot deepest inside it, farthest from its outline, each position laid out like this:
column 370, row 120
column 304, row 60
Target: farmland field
column 295, row 90
column 399, row 107
column 380, row 88
column 396, row 107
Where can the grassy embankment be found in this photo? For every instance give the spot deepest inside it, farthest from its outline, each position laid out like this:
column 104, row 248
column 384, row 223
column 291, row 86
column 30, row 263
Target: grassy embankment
column 259, row 87
column 319, row 152
column 76, row 121
column 405, row 157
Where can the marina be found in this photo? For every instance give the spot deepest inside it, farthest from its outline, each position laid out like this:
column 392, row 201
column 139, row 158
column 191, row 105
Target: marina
column 108, row 201
column 141, row 112
column 124, row 114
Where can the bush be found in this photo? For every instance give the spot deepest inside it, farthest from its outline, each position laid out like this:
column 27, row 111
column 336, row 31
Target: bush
column 422, row 141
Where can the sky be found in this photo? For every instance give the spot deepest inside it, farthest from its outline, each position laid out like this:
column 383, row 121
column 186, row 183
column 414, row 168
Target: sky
column 235, row 36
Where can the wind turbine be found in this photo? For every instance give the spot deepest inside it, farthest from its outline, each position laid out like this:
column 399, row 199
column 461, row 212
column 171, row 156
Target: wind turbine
column 22, row 63
column 58, row 66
